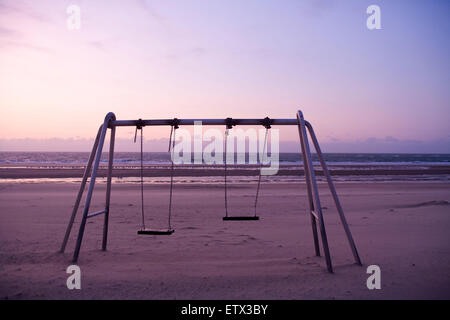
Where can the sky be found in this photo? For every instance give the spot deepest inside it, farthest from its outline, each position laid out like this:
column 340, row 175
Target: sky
column 363, row 90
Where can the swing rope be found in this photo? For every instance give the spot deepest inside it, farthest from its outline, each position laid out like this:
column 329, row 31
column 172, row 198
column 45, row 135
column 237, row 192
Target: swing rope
column 225, row 168
column 172, row 139
column 261, row 162
column 139, row 126
column 266, row 122
column 229, row 125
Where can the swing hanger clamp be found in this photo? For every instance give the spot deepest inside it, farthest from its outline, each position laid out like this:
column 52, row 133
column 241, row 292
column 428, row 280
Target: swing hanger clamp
column 140, row 124
column 229, row 122
column 175, row 123
column 266, row 122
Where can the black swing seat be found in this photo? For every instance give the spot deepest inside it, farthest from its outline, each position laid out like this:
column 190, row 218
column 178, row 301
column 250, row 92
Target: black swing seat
column 156, row 232
column 240, row 218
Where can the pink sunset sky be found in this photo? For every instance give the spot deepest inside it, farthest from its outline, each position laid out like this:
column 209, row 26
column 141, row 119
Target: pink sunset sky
column 364, row 90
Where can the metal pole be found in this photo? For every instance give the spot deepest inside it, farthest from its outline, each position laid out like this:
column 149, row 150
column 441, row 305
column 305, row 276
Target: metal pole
column 225, row 172
column 333, row 192
column 172, row 168
column 108, row 187
column 206, row 122
column 142, row 178
column 108, row 118
column 318, row 208
column 261, row 160
column 80, row 192
column 310, row 195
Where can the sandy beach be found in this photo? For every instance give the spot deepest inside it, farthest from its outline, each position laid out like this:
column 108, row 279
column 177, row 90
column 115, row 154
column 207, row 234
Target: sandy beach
column 402, row 226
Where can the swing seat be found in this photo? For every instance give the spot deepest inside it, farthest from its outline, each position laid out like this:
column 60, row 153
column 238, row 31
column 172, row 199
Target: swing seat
column 156, row 232
column 240, row 218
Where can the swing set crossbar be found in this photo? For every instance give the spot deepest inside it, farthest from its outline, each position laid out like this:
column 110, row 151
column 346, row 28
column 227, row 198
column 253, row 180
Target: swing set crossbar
column 304, row 127
column 205, row 122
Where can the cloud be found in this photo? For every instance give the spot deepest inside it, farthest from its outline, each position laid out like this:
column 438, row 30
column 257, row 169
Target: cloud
column 20, row 8
column 24, row 45
column 6, row 32
column 152, row 13
column 388, row 144
column 317, row 8
column 198, row 51
column 195, row 52
column 14, row 38
column 386, row 139
column 76, row 145
column 333, row 139
column 391, row 139
column 96, row 44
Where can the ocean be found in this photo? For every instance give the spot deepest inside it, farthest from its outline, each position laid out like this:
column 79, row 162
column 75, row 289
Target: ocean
column 133, row 158
column 20, row 167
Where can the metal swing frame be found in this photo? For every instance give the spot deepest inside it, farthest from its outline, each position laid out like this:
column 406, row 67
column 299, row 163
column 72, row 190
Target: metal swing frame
column 315, row 209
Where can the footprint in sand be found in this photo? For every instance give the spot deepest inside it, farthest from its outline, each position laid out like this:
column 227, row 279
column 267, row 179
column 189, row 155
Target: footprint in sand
column 426, row 204
column 247, row 237
column 189, row 228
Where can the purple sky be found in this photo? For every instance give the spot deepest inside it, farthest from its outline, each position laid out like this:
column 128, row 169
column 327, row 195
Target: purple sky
column 364, row 90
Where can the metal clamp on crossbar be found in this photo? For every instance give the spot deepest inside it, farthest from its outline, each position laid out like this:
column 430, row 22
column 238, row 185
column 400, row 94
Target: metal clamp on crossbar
column 140, row 123
column 266, row 122
column 175, row 123
column 229, row 122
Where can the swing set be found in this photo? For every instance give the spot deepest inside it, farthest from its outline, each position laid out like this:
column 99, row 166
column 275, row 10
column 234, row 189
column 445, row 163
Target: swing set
column 169, row 229
column 110, row 122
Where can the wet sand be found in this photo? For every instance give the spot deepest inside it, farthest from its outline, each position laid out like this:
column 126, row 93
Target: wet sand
column 37, row 171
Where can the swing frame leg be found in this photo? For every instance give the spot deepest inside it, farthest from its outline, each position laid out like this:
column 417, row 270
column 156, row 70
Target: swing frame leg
column 80, row 192
column 310, row 198
column 334, row 194
column 96, row 153
column 313, row 191
column 108, row 187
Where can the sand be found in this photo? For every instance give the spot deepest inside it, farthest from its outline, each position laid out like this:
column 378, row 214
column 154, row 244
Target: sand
column 401, row 226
